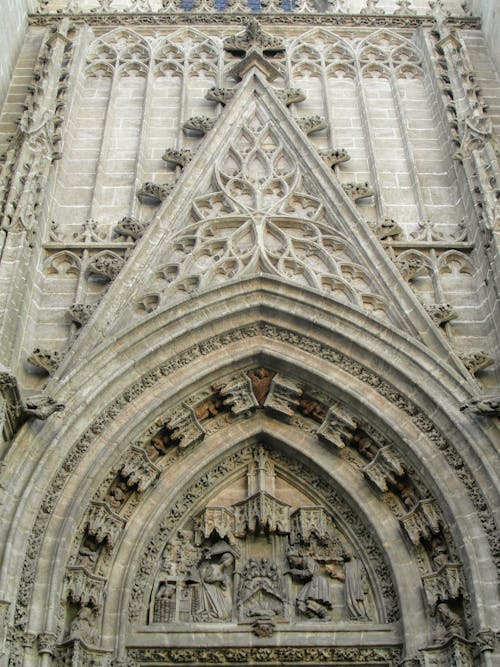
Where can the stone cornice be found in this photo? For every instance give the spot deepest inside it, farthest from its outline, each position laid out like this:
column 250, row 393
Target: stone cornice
column 192, row 18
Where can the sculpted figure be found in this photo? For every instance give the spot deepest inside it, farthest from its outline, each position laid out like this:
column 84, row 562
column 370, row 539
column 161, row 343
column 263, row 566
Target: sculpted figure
column 313, row 599
column 449, row 623
column 355, row 589
column 83, row 626
column 215, row 577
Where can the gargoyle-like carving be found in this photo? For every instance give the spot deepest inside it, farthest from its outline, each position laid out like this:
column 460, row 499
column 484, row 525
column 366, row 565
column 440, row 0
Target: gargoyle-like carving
column 310, row 124
column 45, row 360
column 385, row 229
column 180, row 156
column 411, row 267
column 82, row 312
column 220, row 95
column 290, row 96
column 199, row 124
column 486, row 406
column 422, row 522
column 84, row 589
column 444, row 584
column 475, row 361
column 183, row 427
column 138, row 470
column 441, row 313
column 335, row 156
column 153, row 194
column 130, row 227
column 358, row 191
column 104, row 524
column 105, row 266
column 237, row 394
column 337, row 428
column 283, row 397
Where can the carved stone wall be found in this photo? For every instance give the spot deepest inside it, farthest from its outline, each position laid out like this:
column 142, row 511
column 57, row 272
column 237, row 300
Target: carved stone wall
column 248, row 384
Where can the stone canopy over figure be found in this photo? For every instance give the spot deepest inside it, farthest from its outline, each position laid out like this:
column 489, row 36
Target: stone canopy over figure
column 314, row 598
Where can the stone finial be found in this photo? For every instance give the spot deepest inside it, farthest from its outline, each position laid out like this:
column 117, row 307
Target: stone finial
column 253, row 39
column 404, row 8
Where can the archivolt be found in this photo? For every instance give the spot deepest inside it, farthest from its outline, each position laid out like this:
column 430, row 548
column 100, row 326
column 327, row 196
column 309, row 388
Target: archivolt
column 383, row 378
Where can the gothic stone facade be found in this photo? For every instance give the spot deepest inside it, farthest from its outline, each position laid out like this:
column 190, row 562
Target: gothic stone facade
column 249, row 285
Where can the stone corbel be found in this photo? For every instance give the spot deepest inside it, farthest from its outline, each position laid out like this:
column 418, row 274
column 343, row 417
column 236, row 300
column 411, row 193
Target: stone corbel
column 485, row 640
column 336, row 427
column 384, row 469
column 183, row 427
column 84, row 589
column 138, row 470
column 444, row 584
column 455, row 651
column 104, row 524
column 411, row 268
column 14, row 410
column 105, row 266
column 237, row 394
column 283, row 397
column 46, row 642
column 422, row 522
column 76, row 652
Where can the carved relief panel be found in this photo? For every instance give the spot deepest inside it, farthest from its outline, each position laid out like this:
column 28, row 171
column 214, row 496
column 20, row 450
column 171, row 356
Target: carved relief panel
column 267, row 561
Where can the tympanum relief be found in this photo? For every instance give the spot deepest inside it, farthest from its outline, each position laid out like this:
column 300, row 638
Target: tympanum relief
column 268, row 561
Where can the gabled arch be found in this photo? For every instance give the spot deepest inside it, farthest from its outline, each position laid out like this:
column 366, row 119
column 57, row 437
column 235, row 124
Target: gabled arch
column 270, row 326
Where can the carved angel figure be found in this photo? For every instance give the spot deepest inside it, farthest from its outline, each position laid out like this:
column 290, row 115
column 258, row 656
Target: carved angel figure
column 314, row 598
